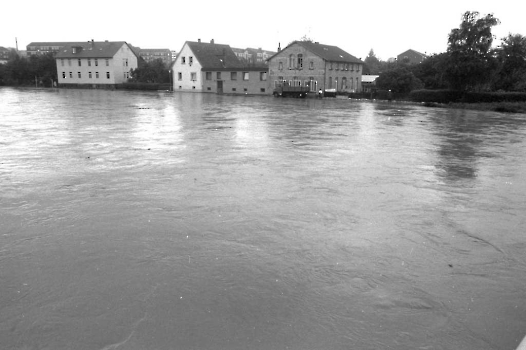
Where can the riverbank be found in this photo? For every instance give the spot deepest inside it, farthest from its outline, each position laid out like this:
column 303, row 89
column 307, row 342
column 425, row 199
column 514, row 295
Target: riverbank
column 503, row 107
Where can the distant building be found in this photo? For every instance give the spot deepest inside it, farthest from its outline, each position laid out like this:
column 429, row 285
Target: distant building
column 253, row 57
column 318, row 66
column 369, row 82
column 95, row 64
column 150, row 55
column 4, row 55
column 40, row 48
column 411, row 56
column 211, row 67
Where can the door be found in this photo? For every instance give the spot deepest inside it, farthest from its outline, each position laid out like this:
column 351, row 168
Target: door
column 219, row 86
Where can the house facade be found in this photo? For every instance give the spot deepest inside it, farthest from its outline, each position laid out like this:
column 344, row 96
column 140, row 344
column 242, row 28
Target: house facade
column 95, row 64
column 411, row 56
column 215, row 68
column 316, row 66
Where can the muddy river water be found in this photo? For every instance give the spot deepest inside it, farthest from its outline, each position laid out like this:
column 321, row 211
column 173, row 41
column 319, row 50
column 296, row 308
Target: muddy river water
column 155, row 220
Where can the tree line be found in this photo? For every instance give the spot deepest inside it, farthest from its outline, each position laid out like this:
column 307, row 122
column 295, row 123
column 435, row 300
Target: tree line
column 469, row 64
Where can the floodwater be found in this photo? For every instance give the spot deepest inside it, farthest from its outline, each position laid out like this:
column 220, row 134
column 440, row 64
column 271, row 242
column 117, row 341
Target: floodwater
column 134, row 220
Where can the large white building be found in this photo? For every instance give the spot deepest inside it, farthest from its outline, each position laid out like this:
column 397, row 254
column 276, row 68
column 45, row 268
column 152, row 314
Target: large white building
column 215, row 68
column 95, row 64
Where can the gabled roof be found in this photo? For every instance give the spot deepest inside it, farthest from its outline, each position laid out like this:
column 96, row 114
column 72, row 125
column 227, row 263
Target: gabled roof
column 91, row 49
column 411, row 50
column 53, row 43
column 326, row 52
column 214, row 56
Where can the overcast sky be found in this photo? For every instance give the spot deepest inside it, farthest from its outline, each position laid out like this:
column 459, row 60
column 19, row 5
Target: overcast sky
column 387, row 27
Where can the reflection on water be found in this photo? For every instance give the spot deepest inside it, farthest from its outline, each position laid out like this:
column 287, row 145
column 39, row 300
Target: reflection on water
column 134, row 220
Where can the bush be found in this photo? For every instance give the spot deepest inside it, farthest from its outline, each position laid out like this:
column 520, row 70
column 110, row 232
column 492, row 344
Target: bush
column 436, row 96
column 143, row 86
column 451, row 96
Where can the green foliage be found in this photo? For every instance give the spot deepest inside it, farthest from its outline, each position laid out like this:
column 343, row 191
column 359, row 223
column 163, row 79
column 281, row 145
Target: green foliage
column 150, row 72
column 511, row 55
column 431, row 71
column 470, row 62
column 452, row 96
column 436, row 96
column 398, row 79
column 25, row 71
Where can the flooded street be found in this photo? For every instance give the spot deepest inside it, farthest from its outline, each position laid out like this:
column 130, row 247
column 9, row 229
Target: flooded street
column 150, row 220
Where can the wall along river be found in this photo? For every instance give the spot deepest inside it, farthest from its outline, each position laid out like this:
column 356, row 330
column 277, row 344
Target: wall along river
column 134, row 220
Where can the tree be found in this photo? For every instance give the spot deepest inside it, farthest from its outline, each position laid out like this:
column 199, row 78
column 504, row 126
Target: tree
column 398, row 79
column 371, row 64
column 151, row 72
column 512, row 63
column 471, row 64
column 431, row 71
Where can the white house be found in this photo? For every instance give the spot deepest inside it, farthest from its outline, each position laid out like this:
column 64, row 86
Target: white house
column 95, row 64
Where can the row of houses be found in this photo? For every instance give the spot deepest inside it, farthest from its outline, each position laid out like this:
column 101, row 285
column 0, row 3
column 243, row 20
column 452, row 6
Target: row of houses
column 216, row 68
column 211, row 67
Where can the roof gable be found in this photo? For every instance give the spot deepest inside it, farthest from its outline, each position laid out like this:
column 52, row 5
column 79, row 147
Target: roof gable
column 214, row 56
column 326, row 52
column 92, row 49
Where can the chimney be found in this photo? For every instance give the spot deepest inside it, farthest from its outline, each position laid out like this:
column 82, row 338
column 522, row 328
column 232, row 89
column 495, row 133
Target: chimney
column 198, row 40
column 279, row 47
column 212, row 41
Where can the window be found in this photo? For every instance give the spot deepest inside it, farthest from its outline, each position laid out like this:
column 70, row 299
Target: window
column 233, row 75
column 63, row 75
column 89, row 62
column 183, row 60
column 300, row 61
column 97, row 75
column 193, row 76
column 89, row 75
column 107, row 62
column 107, row 75
column 234, row 89
column 208, row 75
column 80, row 76
column 80, row 62
column 311, row 65
column 330, row 83
column 292, row 58
column 330, row 65
column 191, row 60
column 263, row 76
column 262, row 89
column 70, row 75
column 344, row 83
column 218, row 75
column 62, row 62
column 96, row 62
column 125, row 62
column 126, row 75
column 179, row 76
column 280, row 65
column 245, row 76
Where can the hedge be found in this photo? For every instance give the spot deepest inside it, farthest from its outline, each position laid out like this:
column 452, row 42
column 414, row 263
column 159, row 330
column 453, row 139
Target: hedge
column 449, row 96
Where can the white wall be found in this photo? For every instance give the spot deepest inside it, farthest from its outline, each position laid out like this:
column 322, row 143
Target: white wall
column 185, row 84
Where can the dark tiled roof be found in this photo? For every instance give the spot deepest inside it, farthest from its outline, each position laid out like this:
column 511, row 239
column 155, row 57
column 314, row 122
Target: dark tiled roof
column 414, row 51
column 91, row 49
column 327, row 52
column 214, row 56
